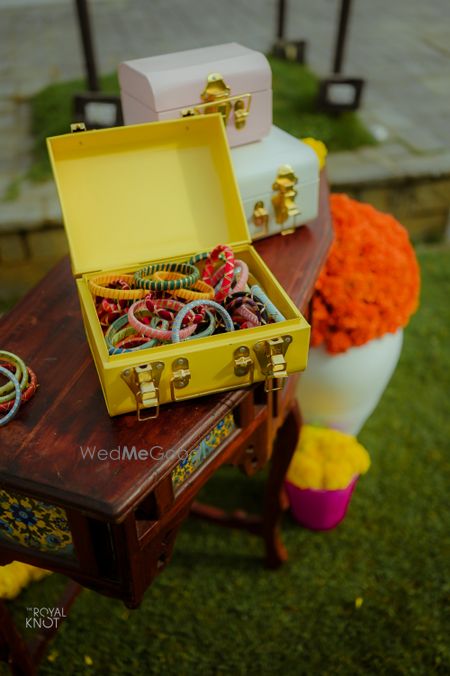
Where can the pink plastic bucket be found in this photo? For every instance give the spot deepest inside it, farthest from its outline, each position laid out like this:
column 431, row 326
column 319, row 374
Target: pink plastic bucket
column 319, row 509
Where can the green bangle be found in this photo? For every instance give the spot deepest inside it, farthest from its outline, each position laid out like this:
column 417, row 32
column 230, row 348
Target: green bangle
column 198, row 258
column 7, row 391
column 190, row 272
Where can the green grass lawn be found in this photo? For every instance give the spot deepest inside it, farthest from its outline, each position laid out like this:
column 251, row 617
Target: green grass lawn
column 216, row 610
column 295, row 90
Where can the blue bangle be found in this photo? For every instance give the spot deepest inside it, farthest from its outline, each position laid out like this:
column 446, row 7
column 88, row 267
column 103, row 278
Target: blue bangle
column 272, row 311
column 11, row 413
column 176, row 326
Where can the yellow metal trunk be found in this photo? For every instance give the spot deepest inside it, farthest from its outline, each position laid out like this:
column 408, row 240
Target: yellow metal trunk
column 166, row 191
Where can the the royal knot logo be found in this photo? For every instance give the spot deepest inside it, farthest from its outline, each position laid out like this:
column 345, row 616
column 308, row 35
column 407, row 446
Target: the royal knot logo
column 44, row 618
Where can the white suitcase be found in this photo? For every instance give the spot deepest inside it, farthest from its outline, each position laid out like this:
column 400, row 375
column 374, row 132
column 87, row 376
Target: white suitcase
column 278, row 179
column 230, row 79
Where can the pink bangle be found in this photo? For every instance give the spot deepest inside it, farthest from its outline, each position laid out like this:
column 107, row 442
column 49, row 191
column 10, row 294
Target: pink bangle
column 246, row 314
column 150, row 332
column 208, row 272
column 161, row 308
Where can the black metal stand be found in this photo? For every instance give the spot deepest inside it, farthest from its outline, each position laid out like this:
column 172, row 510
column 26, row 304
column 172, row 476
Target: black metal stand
column 87, row 105
column 337, row 93
column 292, row 50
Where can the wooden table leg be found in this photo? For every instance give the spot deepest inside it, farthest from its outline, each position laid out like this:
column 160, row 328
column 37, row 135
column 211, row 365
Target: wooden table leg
column 275, row 503
column 268, row 524
column 13, row 648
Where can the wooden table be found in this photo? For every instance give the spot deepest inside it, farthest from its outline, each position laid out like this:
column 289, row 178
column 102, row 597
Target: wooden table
column 124, row 517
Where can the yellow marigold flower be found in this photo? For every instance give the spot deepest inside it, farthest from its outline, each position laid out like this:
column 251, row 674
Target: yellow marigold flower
column 327, row 459
column 304, row 472
column 319, row 148
column 15, row 576
column 336, row 475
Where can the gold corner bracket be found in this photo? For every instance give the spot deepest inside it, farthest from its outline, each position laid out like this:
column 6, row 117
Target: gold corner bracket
column 143, row 381
column 272, row 361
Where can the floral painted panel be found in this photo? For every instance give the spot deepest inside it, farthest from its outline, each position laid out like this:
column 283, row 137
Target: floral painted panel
column 32, row 523
column 187, row 466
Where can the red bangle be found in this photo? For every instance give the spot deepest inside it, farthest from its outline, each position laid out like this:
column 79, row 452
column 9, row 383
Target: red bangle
column 228, row 272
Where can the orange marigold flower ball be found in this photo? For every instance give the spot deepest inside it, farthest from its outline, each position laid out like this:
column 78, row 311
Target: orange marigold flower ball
column 370, row 283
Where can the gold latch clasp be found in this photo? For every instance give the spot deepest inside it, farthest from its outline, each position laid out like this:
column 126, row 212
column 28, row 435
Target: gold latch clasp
column 243, row 363
column 217, row 98
column 181, row 376
column 143, row 381
column 215, row 89
column 271, row 358
column 284, row 201
column 260, row 216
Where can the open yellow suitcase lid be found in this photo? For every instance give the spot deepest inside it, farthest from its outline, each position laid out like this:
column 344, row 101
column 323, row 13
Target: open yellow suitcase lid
column 135, row 194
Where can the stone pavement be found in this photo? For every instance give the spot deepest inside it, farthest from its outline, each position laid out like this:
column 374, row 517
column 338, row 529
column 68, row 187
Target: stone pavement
column 401, row 49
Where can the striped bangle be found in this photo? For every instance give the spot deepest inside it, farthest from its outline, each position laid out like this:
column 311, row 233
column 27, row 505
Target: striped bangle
column 200, row 291
column 26, row 394
column 99, row 287
column 134, row 342
column 189, row 275
column 249, row 317
column 272, row 311
column 19, row 369
column 17, row 396
column 167, row 308
column 159, row 334
column 120, row 330
column 177, row 335
column 237, row 300
column 21, row 374
column 228, row 270
column 209, row 329
column 240, row 277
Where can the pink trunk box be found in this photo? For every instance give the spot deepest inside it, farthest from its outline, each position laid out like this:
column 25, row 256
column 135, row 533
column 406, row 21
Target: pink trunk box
column 229, row 78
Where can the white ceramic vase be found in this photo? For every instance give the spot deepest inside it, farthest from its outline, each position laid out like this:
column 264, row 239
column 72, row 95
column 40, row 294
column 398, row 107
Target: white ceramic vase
column 341, row 391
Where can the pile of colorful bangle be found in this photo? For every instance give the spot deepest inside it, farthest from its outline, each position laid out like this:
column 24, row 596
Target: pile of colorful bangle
column 21, row 386
column 171, row 302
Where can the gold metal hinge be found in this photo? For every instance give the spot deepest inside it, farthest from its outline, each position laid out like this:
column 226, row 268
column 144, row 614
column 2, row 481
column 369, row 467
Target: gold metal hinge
column 272, row 362
column 181, row 376
column 143, row 381
column 284, row 201
column 260, row 216
column 217, row 98
column 243, row 363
